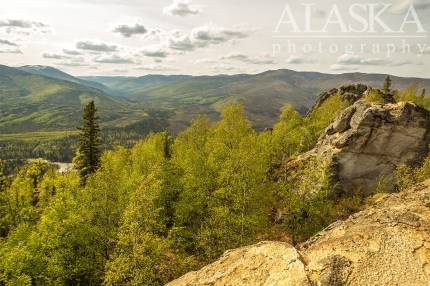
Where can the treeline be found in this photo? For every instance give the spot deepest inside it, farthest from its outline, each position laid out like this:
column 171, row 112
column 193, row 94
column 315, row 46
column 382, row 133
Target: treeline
column 62, row 148
column 153, row 212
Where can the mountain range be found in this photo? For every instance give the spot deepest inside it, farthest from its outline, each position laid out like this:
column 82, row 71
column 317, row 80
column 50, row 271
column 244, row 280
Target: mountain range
column 41, row 98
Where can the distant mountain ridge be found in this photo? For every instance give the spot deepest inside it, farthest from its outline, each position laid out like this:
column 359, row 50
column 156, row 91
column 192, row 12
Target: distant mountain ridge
column 58, row 74
column 30, row 102
column 40, row 98
column 262, row 94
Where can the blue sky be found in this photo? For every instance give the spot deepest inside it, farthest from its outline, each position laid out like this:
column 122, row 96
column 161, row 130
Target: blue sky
column 137, row 37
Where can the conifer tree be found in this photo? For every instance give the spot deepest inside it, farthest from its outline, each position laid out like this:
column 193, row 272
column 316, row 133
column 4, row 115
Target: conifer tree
column 2, row 177
column 387, row 84
column 87, row 159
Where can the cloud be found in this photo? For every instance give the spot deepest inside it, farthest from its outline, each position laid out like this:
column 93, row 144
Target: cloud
column 156, row 68
column 8, row 43
column 338, row 67
column 206, row 61
column 54, row 56
column 114, row 59
column 349, row 59
column 128, row 31
column 247, row 59
column 13, row 25
column 154, row 52
column 181, row 8
column 402, row 6
column 205, row 36
column 72, row 52
column 21, row 24
column 222, row 68
column 74, row 64
column 10, row 51
column 298, row 60
column 96, row 46
column 180, row 43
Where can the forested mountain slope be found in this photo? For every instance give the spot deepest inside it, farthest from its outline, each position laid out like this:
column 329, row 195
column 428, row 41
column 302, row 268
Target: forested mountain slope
column 263, row 95
column 30, row 102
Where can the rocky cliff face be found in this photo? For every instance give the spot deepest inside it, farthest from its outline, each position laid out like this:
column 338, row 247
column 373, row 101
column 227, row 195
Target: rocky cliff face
column 367, row 141
column 386, row 244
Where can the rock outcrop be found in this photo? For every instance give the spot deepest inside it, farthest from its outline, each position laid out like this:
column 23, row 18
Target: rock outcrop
column 367, row 141
column 350, row 93
column 386, row 244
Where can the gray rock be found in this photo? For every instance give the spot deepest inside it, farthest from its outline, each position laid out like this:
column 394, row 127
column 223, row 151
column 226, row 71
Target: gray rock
column 367, row 141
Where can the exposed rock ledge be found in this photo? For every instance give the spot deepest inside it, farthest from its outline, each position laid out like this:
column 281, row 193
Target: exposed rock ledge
column 367, row 141
column 386, row 244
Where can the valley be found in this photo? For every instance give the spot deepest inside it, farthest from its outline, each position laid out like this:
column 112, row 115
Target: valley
column 42, row 105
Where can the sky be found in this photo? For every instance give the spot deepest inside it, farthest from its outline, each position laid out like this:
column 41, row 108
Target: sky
column 206, row 37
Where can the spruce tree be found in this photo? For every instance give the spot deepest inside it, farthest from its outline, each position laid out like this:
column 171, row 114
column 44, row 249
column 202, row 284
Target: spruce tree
column 2, row 177
column 87, row 159
column 387, row 84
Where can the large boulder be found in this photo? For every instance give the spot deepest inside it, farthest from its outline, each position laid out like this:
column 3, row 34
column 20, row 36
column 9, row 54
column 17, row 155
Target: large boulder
column 367, row 141
column 262, row 264
column 386, row 244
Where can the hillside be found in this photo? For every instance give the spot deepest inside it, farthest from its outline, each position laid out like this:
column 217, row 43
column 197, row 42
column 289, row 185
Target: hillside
column 30, row 102
column 170, row 205
column 263, row 95
column 40, row 98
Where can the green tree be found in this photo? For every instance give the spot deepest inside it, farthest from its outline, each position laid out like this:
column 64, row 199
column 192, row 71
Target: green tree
column 2, row 177
column 87, row 159
column 387, row 84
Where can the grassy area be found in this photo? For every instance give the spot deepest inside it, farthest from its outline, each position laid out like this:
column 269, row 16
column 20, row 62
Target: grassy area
column 29, row 136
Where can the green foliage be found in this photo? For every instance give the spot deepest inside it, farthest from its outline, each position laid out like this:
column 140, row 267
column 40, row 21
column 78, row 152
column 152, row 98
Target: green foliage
column 293, row 134
column 412, row 94
column 303, row 201
column 387, row 84
column 375, row 96
column 87, row 158
column 19, row 203
column 3, row 179
column 408, row 176
column 153, row 212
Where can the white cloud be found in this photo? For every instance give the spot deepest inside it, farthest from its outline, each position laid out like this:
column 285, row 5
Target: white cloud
column 156, row 68
column 128, row 31
column 223, row 68
column 96, row 46
column 114, row 59
column 298, row 60
column 10, row 51
column 154, row 52
column 71, row 52
column 54, row 56
column 338, row 67
column 206, row 61
column 247, row 59
column 350, row 59
column 181, row 8
column 8, row 43
column 23, row 26
column 205, row 36
column 180, row 42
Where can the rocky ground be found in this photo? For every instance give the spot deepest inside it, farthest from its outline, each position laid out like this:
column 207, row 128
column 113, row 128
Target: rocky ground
column 386, row 244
